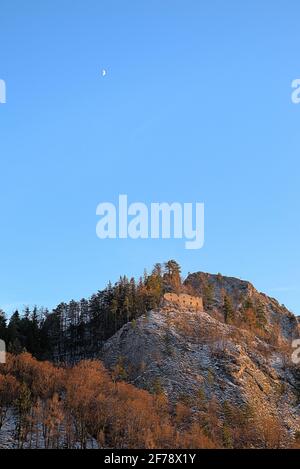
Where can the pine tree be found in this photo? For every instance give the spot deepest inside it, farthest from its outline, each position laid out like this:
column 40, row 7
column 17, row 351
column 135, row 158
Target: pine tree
column 228, row 309
column 172, row 275
column 3, row 329
column 208, row 295
column 14, row 333
column 154, row 284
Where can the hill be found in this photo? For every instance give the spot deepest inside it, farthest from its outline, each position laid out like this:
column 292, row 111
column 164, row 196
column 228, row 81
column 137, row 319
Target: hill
column 243, row 366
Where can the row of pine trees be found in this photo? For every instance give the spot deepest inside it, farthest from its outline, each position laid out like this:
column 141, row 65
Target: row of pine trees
column 77, row 329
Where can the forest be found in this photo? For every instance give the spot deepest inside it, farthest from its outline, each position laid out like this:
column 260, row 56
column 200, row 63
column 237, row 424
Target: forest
column 55, row 394
column 77, row 329
column 85, row 406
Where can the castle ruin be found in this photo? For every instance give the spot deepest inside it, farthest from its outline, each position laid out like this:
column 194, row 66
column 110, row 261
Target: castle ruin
column 183, row 301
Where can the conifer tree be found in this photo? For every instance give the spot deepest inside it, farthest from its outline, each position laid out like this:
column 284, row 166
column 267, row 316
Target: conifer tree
column 3, row 329
column 228, row 309
column 172, row 275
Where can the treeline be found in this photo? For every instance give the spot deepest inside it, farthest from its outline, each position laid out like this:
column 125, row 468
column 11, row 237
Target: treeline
column 79, row 328
column 83, row 406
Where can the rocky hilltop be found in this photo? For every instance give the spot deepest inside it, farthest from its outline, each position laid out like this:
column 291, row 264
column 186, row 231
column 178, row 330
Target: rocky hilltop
column 278, row 320
column 239, row 361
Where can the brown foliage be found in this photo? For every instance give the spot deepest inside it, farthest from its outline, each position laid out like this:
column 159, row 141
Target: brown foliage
column 86, row 406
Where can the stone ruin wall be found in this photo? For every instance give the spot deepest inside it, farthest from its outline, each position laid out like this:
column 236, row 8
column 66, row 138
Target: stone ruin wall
column 184, row 301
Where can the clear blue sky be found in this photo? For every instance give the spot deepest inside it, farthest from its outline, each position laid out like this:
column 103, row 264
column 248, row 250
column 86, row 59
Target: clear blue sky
column 195, row 107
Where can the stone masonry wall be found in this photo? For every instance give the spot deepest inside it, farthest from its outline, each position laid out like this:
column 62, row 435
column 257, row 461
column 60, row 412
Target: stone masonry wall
column 184, row 301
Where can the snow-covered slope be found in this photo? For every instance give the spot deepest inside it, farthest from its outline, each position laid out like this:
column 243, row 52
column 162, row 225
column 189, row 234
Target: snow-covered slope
column 186, row 352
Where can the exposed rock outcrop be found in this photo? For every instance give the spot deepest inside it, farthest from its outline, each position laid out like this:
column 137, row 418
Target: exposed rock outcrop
column 185, row 352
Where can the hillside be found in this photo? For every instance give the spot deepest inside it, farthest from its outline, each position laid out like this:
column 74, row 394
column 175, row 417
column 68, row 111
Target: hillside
column 195, row 357
column 204, row 362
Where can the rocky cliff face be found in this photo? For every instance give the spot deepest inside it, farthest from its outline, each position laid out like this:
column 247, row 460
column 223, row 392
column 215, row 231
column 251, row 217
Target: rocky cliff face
column 189, row 353
column 277, row 316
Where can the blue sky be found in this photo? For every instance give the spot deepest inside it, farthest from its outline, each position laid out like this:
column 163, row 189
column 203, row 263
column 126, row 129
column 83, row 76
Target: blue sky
column 196, row 106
